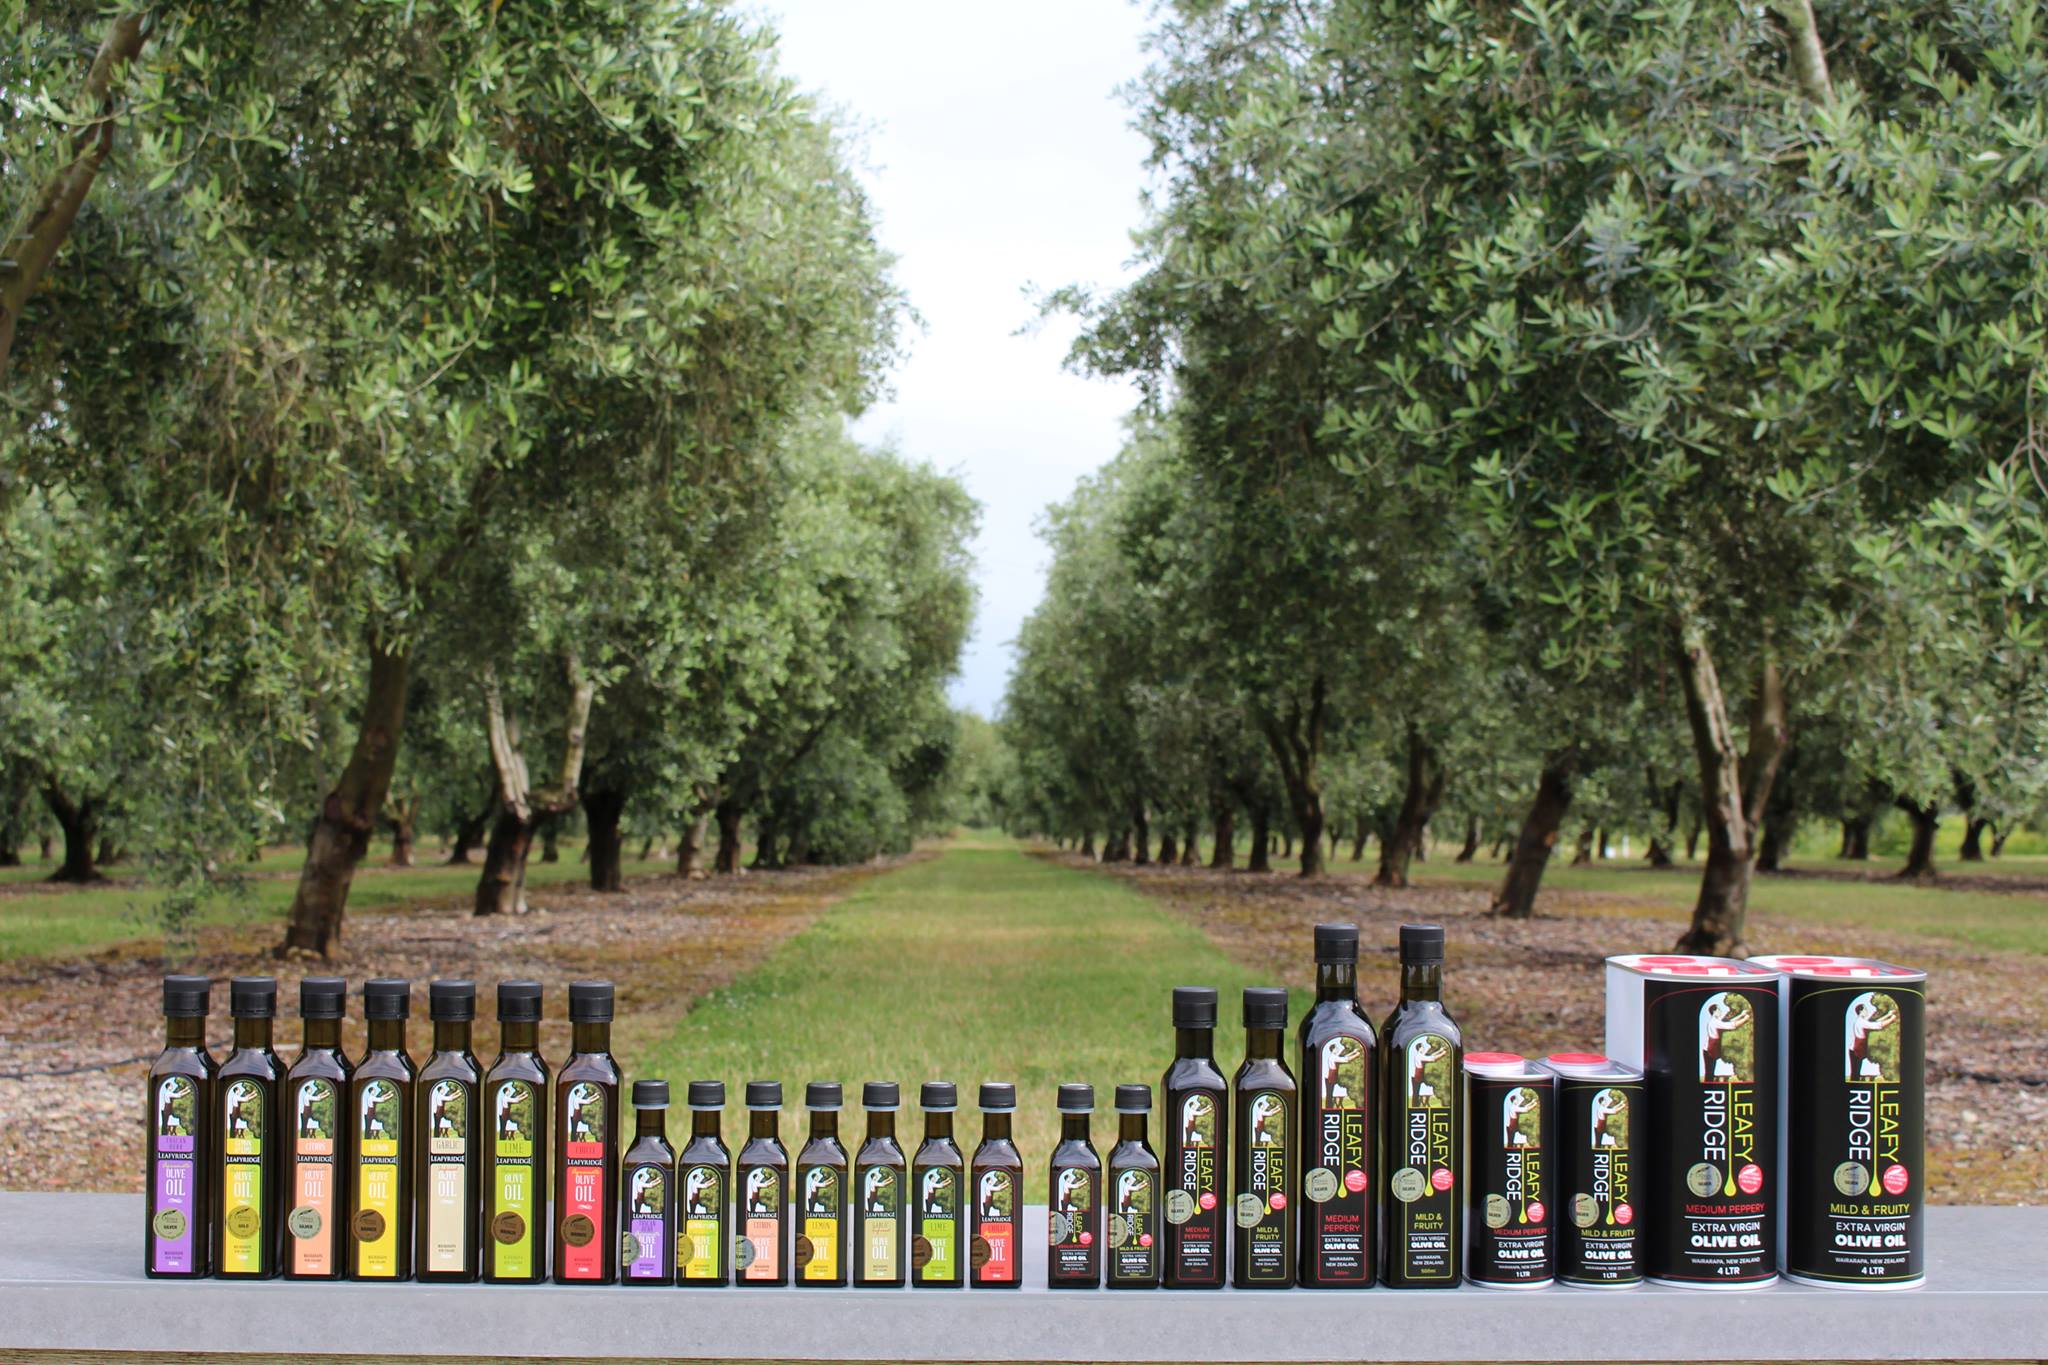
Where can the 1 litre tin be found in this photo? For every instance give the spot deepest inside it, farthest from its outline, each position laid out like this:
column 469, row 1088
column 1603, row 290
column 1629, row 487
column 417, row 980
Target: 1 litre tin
column 1592, row 1151
column 1508, row 1195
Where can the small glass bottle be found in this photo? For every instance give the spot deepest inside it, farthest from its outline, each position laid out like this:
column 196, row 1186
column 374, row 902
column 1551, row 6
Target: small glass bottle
column 648, row 1221
column 178, row 1213
column 316, row 1137
column 1133, row 1213
column 1263, row 1184
column 761, row 1183
column 821, row 1192
column 515, row 1153
column 248, row 1217
column 380, row 1108
column 1074, row 1221
column 586, row 1213
column 938, row 1175
column 448, row 1142
column 704, row 1184
column 879, row 1177
column 996, row 1188
column 1196, row 1095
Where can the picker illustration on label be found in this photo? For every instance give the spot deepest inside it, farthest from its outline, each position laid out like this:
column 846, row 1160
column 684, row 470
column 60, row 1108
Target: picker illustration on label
column 760, row 1249
column 1727, row 1058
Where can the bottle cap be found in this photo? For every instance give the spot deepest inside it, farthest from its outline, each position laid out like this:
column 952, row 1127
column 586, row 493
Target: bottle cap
column 1134, row 1099
column 881, row 1095
column 998, row 1097
column 823, row 1095
column 452, row 1001
column 1336, row 943
column 1077, row 1099
column 764, row 1094
column 1194, row 1007
column 590, row 1002
column 1422, row 943
column 323, row 997
column 387, row 997
column 711, row 1095
column 253, row 997
column 518, row 1002
column 938, row 1096
column 1265, row 1007
column 187, row 997
column 650, row 1094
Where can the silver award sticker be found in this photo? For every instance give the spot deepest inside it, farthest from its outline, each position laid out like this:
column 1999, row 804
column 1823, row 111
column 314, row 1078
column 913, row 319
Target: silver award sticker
column 1852, row 1178
column 1496, row 1211
column 742, row 1251
column 1585, row 1210
column 1060, row 1226
column 629, row 1248
column 304, row 1222
column 1180, row 1207
column 170, row 1224
column 1703, row 1178
column 1410, row 1184
column 1321, row 1184
column 1250, row 1209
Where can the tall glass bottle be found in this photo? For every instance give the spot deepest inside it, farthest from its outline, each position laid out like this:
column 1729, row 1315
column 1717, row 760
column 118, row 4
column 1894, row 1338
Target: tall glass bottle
column 1263, row 1186
column 1133, row 1217
column 177, row 1231
column 1339, row 1131
column 996, row 1186
column 1421, row 1082
column 380, row 1106
column 646, row 1175
column 515, row 1152
column 938, row 1175
column 761, row 1182
column 704, row 1184
column 316, row 1137
column 879, row 1176
column 1195, row 1239
column 586, row 1213
column 821, row 1192
column 448, row 1142
column 248, row 1217
column 1074, row 1219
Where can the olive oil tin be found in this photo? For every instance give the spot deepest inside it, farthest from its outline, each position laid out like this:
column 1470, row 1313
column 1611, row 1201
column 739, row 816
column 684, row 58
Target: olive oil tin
column 1508, row 1197
column 1592, row 1153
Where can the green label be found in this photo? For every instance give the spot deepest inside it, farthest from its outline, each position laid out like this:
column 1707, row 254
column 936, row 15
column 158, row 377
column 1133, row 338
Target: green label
column 243, row 1139
column 937, row 1253
column 513, row 1183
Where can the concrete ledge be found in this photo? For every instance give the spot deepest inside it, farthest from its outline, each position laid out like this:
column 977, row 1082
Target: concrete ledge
column 71, row 1279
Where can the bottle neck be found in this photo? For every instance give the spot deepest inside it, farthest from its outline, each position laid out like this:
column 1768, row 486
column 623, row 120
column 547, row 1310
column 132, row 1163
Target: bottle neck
column 939, row 1124
column 1336, row 981
column 704, row 1123
column 824, row 1123
column 387, row 1035
column 252, row 1033
column 1130, row 1128
column 882, row 1123
column 653, row 1123
column 764, row 1123
column 1422, row 980
column 519, row 1035
column 1073, row 1127
column 590, row 1037
column 323, row 1034
column 185, row 1031
column 1195, row 1042
column 451, row 1035
column 995, row 1127
column 1263, row 1043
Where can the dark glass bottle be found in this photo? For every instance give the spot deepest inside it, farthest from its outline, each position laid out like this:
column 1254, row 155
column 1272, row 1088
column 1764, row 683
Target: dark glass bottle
column 1074, row 1219
column 996, row 1186
column 646, row 1173
column 704, row 1185
column 1263, row 1187
column 316, row 1137
column 761, row 1183
column 515, row 1150
column 586, row 1212
column 1195, row 1237
column 448, row 1142
column 1421, row 1084
column 380, row 1108
column 938, row 1175
column 248, row 1218
column 879, row 1177
column 1339, row 1132
column 821, row 1192
column 177, row 1229
column 1133, row 1217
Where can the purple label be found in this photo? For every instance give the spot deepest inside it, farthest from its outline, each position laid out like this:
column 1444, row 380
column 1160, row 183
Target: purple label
column 650, row 1248
column 176, row 1207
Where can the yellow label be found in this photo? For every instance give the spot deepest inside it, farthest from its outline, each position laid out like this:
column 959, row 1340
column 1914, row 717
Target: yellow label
column 377, row 1194
column 824, row 1235
column 241, row 1250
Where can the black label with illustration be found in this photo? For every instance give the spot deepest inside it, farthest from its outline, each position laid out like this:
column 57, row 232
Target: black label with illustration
column 1509, row 1206
column 1193, row 1213
column 1074, row 1227
column 1336, row 1177
column 1422, row 1183
column 1595, row 1154
column 1263, row 1206
column 1133, row 1225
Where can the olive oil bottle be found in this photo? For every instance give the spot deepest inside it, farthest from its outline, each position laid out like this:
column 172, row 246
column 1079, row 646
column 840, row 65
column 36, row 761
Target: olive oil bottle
column 1263, row 1186
column 447, row 1142
column 997, row 1188
column 880, row 1175
column 515, row 1149
column 1422, row 1085
column 704, row 1185
column 177, row 1228
column 380, row 1105
column 761, row 1181
column 1133, row 1215
column 821, row 1192
column 646, row 1172
column 248, row 1230
column 1196, row 1234
column 1339, row 1132
column 1074, row 1222
column 586, row 1213
column 316, row 1137
column 938, row 1175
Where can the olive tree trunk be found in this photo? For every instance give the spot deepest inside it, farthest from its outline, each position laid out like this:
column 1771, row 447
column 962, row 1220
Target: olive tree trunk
column 1422, row 791
column 1296, row 738
column 1261, row 859
column 726, row 862
column 1735, row 788
column 502, row 887
column 1470, row 850
column 79, row 822
column 1516, row 898
column 1926, row 821
column 1223, row 819
column 604, row 808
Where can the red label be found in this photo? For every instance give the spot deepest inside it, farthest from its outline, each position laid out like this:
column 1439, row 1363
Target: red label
column 584, row 1196
column 1002, row 1259
column 1750, row 1178
column 1895, row 1179
column 1441, row 1178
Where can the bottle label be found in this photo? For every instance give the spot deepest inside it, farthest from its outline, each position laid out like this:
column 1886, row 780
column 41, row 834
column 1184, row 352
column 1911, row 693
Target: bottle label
column 175, row 1179
column 377, row 1177
column 1194, row 1211
column 1423, row 1214
column 586, row 1162
column 937, row 1254
column 1134, row 1225
column 311, row 1221
column 444, row 1128
column 513, row 1183
column 242, row 1146
column 1262, row 1206
column 644, row 1246
column 1340, row 1173
column 995, row 1226
column 1509, row 1224
column 881, row 1222
column 700, row 1246
column 817, row 1251
column 1072, row 1224
column 759, row 1255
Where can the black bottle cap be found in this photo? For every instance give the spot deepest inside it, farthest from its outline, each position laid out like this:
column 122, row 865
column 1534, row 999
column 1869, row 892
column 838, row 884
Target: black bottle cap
column 650, row 1094
column 764, row 1094
column 1336, row 943
column 938, row 1096
column 1422, row 943
column 253, row 997
column 388, row 997
column 881, row 1095
column 323, row 997
column 1077, row 1099
column 711, row 1094
column 1194, row 1007
column 518, row 1002
column 452, row 1001
column 1265, row 1007
column 823, row 1095
column 187, row 997
column 998, row 1097
column 590, row 1002
column 1134, row 1099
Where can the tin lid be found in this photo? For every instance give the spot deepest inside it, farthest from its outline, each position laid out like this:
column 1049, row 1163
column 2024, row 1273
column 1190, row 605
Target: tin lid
column 1510, row 1064
column 1828, row 968
column 1682, row 965
column 1588, row 1066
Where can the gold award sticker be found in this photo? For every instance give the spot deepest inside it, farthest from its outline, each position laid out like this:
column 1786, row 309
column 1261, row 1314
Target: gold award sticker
column 578, row 1229
column 1250, row 1209
column 1496, row 1211
column 1585, row 1210
column 243, row 1221
column 1410, row 1184
column 686, row 1250
column 1703, row 1178
column 1320, row 1184
column 629, row 1248
column 1119, row 1230
column 304, row 1222
column 369, row 1225
column 170, row 1224
column 804, row 1252
column 1180, row 1207
column 508, row 1227
column 1852, row 1179
column 920, row 1251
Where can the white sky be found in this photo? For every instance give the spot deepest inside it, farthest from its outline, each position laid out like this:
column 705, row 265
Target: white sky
column 999, row 156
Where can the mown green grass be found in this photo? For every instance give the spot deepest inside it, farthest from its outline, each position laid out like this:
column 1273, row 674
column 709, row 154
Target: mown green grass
column 977, row 964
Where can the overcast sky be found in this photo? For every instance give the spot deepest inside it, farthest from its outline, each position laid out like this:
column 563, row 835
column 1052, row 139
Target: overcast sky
column 998, row 156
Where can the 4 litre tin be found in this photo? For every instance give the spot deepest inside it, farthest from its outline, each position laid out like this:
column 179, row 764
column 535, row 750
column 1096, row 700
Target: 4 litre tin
column 1704, row 1030
column 1592, row 1153
column 1855, row 1079
column 1508, row 1198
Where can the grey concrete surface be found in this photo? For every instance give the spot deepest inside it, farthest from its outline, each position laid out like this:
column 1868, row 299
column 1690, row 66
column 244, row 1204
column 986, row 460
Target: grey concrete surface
column 71, row 1278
